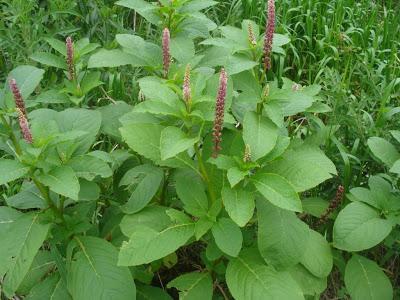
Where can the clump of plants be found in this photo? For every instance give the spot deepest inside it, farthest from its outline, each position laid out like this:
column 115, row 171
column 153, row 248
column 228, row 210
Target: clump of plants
column 198, row 190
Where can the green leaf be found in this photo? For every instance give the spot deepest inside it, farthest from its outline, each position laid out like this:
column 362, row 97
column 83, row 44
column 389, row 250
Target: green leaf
column 174, row 141
column 143, row 139
column 309, row 284
column 193, row 286
column 239, row 204
column 196, row 5
column 57, row 45
column 50, row 288
column 147, row 180
column 359, row 227
column 248, row 278
column 190, row 190
column 153, row 89
column 278, row 191
column 148, row 292
column 11, row 170
column 317, row 257
column 182, row 49
column 315, row 206
column 235, row 175
column 61, row 180
column 282, row 237
column 383, row 150
column 304, row 167
column 110, row 116
column 88, row 167
column 147, row 244
column 49, row 59
column 113, row 58
column 365, row 280
column 260, row 133
column 28, row 236
column 27, row 77
column 395, row 167
column 228, row 236
column 94, row 274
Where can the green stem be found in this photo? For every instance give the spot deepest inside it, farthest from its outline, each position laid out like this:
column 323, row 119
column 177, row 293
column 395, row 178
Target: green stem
column 12, row 135
column 46, row 196
column 204, row 174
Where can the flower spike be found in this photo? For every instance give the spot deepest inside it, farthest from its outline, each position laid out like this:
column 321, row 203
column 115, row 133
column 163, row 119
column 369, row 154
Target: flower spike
column 166, row 51
column 269, row 34
column 70, row 58
column 187, row 92
column 219, row 113
column 24, row 126
column 19, row 102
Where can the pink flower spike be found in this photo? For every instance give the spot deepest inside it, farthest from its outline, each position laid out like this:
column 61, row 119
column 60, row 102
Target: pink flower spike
column 166, row 51
column 19, row 102
column 24, row 126
column 219, row 113
column 187, row 92
column 269, row 34
column 70, row 58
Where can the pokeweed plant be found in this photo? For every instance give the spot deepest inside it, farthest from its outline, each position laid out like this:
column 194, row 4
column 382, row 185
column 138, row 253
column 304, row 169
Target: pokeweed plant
column 210, row 161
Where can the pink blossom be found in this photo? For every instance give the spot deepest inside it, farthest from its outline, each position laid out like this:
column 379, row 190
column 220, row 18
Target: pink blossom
column 166, row 51
column 24, row 126
column 269, row 34
column 70, row 58
column 187, row 92
column 19, row 102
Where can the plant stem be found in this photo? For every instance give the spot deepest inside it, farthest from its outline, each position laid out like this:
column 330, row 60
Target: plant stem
column 46, row 196
column 204, row 173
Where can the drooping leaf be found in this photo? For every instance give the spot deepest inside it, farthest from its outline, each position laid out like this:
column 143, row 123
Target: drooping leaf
column 49, row 59
column 282, row 237
column 383, row 150
column 93, row 272
column 310, row 284
column 228, row 236
column 365, row 280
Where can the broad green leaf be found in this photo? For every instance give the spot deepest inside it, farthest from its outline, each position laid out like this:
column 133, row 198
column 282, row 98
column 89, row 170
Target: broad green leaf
column 317, row 257
column 110, row 116
column 57, row 45
column 239, row 204
column 144, row 139
column 365, row 280
column 228, row 236
column 147, row 180
column 11, row 170
column 282, row 237
column 248, row 278
column 49, row 59
column 93, row 272
column 193, row 286
column 383, row 150
column 153, row 89
column 147, row 244
column 278, row 191
column 190, row 190
column 309, row 284
column 148, row 292
column 113, row 58
column 202, row 226
column 28, row 236
column 154, row 217
column 174, row 141
column 304, row 167
column 395, row 167
column 235, row 175
column 88, row 167
column 359, row 227
column 182, row 49
column 260, row 133
column 42, row 264
column 51, row 287
column 9, row 233
column 89, row 190
column 61, row 180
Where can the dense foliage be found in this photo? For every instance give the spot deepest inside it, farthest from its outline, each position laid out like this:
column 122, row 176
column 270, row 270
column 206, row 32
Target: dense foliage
column 195, row 149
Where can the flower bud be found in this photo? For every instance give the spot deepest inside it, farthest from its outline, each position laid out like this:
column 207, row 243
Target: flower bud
column 247, row 154
column 187, row 92
column 251, row 36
